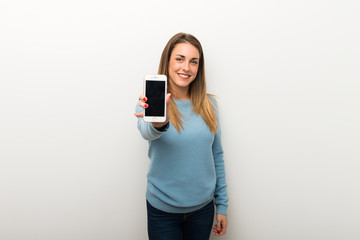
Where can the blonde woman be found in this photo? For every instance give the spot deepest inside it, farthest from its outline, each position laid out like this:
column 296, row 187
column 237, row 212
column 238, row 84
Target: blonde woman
column 186, row 177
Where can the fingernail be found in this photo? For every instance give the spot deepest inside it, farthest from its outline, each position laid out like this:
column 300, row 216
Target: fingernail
column 218, row 231
column 145, row 99
column 146, row 105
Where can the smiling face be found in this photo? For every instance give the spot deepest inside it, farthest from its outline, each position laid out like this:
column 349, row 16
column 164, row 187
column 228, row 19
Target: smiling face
column 183, row 67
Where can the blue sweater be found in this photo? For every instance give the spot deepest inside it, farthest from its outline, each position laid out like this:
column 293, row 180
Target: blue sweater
column 187, row 169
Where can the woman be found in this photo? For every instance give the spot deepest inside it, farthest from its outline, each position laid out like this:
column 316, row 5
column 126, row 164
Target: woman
column 187, row 174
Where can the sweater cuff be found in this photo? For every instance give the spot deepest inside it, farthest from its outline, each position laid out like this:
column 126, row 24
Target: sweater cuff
column 163, row 128
column 221, row 209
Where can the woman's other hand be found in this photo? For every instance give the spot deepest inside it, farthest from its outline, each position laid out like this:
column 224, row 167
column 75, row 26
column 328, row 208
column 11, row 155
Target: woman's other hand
column 220, row 227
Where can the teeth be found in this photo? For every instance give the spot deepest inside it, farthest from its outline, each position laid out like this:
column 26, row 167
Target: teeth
column 184, row 76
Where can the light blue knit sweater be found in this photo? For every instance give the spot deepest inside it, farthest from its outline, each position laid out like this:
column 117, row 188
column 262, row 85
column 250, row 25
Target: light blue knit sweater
column 187, row 169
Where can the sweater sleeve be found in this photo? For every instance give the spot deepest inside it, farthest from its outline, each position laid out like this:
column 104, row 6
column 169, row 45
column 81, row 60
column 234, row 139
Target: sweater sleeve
column 147, row 130
column 221, row 197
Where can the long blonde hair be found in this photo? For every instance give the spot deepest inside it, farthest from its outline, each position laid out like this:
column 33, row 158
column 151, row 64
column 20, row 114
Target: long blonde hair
column 200, row 100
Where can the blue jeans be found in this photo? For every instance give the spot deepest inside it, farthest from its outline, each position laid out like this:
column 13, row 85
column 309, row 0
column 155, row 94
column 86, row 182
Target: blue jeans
column 180, row 226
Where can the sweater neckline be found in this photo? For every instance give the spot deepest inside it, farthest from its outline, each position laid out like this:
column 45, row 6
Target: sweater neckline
column 178, row 100
column 182, row 103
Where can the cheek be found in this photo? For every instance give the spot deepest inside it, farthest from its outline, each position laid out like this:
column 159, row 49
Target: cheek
column 194, row 69
column 174, row 66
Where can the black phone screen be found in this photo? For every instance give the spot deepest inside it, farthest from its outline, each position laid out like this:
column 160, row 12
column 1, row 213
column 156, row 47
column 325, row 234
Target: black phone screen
column 155, row 93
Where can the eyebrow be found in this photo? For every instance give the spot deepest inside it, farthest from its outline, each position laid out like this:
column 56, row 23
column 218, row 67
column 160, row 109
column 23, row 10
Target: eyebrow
column 184, row 57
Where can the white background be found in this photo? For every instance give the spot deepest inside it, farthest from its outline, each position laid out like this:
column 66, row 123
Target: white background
column 286, row 73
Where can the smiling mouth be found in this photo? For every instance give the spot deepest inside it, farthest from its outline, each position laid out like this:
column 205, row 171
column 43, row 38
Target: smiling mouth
column 183, row 76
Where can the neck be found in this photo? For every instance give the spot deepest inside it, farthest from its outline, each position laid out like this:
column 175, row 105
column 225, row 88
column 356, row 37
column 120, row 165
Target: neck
column 180, row 93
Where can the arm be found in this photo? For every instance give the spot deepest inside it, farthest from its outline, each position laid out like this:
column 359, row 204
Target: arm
column 147, row 130
column 221, row 197
column 150, row 131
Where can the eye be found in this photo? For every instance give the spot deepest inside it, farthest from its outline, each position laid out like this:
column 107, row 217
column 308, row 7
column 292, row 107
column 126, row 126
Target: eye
column 194, row 62
column 179, row 59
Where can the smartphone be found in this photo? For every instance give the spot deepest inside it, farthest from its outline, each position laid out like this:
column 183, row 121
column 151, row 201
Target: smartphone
column 155, row 89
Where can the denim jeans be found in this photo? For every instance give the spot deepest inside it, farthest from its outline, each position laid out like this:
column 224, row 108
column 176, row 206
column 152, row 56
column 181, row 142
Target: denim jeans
column 180, row 226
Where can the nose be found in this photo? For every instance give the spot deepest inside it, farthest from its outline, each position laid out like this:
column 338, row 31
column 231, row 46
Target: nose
column 186, row 66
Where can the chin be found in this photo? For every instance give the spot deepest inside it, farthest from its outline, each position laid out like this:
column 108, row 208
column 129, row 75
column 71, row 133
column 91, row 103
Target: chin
column 183, row 83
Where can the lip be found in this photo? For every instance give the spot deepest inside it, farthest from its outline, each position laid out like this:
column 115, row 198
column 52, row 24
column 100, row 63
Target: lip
column 181, row 75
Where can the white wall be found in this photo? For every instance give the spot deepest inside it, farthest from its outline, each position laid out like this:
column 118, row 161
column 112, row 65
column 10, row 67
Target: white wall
column 286, row 73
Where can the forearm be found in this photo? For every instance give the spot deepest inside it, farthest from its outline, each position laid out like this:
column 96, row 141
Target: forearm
column 147, row 130
column 221, row 197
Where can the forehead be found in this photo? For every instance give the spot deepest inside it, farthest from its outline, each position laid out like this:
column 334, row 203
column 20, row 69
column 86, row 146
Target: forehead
column 186, row 49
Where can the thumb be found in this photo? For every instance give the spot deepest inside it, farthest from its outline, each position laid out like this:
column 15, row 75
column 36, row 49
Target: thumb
column 139, row 115
column 168, row 97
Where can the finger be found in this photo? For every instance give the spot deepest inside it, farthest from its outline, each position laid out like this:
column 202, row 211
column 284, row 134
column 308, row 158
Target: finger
column 215, row 231
column 142, row 98
column 218, row 228
column 223, row 228
column 139, row 115
column 143, row 104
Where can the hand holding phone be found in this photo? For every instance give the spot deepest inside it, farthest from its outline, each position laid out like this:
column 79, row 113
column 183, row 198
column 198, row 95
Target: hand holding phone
column 155, row 89
column 143, row 102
